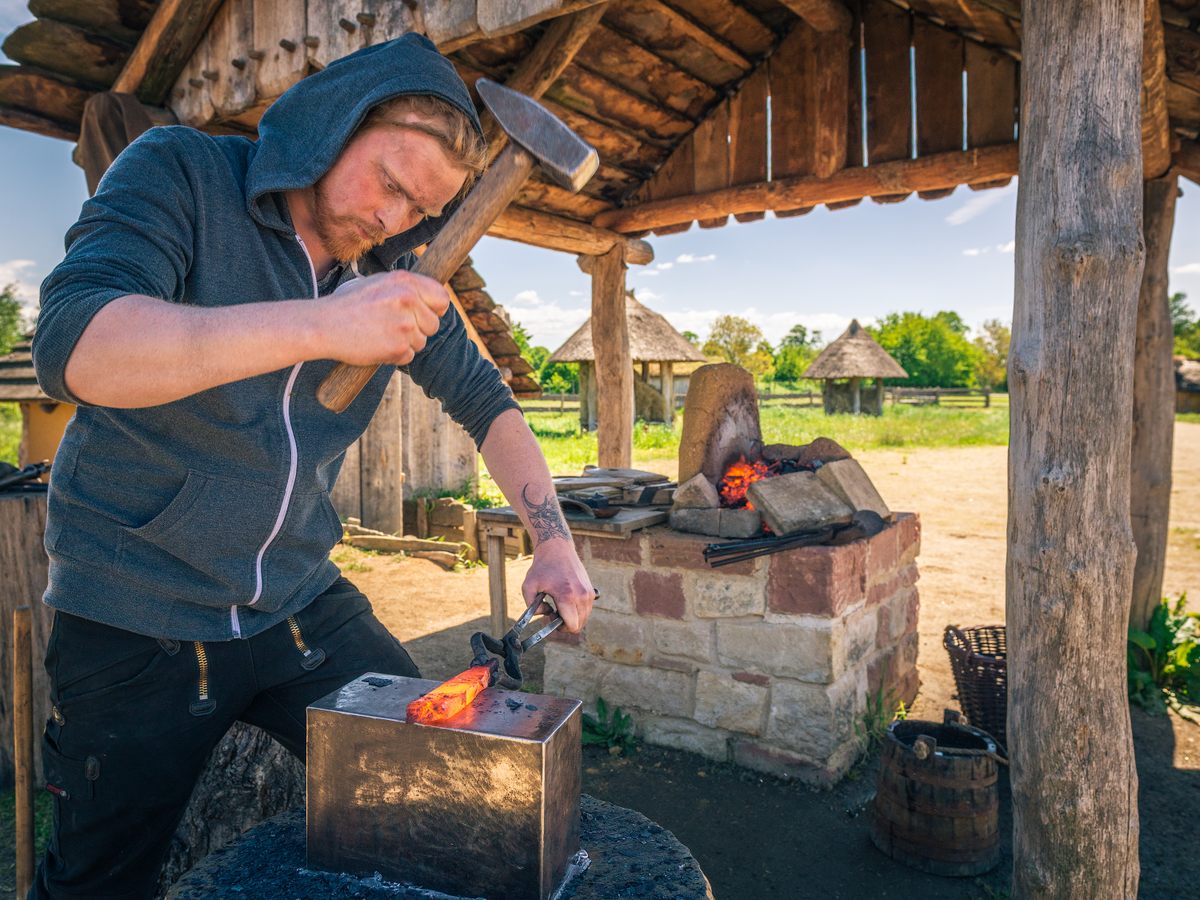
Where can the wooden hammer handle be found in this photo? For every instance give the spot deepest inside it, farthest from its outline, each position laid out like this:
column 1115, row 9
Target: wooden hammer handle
column 445, row 254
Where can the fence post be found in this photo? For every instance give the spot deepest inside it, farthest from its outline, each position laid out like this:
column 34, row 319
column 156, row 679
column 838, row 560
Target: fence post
column 987, row 399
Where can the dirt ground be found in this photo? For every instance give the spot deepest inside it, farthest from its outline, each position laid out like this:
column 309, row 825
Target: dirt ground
column 757, row 837
column 760, row 838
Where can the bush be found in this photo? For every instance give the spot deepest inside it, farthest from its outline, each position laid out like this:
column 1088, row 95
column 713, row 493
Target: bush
column 1164, row 660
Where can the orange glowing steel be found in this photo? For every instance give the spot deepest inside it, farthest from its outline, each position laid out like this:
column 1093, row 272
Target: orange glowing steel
column 737, row 479
column 449, row 698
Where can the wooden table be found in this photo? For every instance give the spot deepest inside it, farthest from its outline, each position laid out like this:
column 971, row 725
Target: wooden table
column 498, row 522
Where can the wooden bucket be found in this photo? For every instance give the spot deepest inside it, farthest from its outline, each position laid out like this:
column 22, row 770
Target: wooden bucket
column 936, row 805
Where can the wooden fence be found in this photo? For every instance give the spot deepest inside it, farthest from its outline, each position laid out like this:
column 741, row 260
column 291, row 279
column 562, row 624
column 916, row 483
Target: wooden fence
column 951, row 397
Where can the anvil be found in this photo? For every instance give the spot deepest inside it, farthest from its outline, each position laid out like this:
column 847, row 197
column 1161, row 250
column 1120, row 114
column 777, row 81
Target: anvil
column 484, row 805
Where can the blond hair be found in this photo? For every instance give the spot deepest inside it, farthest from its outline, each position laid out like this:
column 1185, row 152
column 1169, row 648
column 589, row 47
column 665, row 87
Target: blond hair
column 441, row 120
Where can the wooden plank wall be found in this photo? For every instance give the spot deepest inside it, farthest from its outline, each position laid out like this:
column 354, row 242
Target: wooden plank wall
column 807, row 110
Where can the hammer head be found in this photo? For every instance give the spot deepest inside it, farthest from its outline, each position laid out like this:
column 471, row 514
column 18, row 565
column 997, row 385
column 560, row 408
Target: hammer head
column 566, row 159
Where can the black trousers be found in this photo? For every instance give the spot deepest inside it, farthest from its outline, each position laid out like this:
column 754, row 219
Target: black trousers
column 134, row 720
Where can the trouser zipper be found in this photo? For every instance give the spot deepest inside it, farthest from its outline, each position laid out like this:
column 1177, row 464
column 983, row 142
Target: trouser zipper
column 202, row 705
column 312, row 658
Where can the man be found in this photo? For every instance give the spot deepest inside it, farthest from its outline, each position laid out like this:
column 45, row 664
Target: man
column 189, row 519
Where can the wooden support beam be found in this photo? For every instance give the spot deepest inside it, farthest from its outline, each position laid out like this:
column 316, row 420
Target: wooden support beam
column 613, row 370
column 543, row 66
column 927, row 173
column 528, row 226
column 1156, row 127
column 1186, row 160
column 164, row 48
column 381, row 472
column 1070, row 553
column 1153, row 404
column 822, row 15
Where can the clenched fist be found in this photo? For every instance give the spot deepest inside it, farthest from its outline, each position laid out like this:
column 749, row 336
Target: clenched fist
column 383, row 319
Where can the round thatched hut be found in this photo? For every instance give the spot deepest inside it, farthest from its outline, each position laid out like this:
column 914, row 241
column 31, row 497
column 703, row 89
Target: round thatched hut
column 845, row 364
column 1187, row 385
column 651, row 340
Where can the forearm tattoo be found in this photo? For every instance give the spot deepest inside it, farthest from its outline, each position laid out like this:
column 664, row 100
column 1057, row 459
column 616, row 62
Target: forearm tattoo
column 545, row 517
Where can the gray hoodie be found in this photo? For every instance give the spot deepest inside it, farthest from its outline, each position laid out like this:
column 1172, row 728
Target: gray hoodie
column 209, row 518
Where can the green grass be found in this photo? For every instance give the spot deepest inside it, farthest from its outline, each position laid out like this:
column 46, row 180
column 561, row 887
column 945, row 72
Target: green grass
column 43, row 814
column 10, row 432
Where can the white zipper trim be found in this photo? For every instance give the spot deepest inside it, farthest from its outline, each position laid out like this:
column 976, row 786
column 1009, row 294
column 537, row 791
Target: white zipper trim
column 293, row 465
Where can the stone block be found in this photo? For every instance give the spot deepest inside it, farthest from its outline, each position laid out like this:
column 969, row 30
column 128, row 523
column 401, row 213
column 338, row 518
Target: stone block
column 654, row 690
column 684, row 734
column 720, row 421
column 581, row 543
column 615, row 584
column 723, row 702
column 694, row 640
column 657, row 594
column 672, row 549
column 883, row 554
column 572, row 672
column 562, row 636
column 626, row 550
column 740, row 523
column 796, row 502
column 895, row 611
column 792, row 651
column 881, row 671
column 908, row 686
column 696, row 493
column 907, row 651
column 909, row 538
column 752, row 678
column 697, row 521
column 848, row 479
column 620, row 638
column 816, row 719
column 822, row 450
column 881, row 591
column 717, row 596
column 817, row 581
column 857, row 640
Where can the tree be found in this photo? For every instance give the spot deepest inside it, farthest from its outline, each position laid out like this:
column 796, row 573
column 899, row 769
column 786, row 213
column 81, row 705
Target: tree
column 734, row 339
column 559, row 378
column 792, row 361
column 692, row 338
column 934, row 350
column 991, row 360
column 1187, row 329
column 799, row 337
column 10, row 318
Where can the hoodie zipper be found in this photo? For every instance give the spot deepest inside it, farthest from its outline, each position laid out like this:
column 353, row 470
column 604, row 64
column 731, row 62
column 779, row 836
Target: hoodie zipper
column 292, row 466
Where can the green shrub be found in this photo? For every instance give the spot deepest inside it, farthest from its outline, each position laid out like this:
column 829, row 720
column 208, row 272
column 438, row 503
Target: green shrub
column 1164, row 660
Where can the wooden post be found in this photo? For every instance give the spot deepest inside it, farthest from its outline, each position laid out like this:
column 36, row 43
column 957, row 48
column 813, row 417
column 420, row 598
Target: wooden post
column 1153, row 404
column 856, row 387
column 614, row 368
column 667, row 372
column 645, row 371
column 1070, row 549
column 380, row 472
column 497, row 588
column 22, row 698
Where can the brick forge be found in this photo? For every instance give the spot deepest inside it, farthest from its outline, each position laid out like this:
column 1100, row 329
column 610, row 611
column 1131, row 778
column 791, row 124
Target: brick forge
column 766, row 663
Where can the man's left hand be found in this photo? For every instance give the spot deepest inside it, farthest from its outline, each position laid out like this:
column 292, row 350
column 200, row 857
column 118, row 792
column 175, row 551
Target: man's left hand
column 557, row 571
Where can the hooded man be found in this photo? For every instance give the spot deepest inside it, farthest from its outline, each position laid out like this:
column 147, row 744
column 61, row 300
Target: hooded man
column 189, row 522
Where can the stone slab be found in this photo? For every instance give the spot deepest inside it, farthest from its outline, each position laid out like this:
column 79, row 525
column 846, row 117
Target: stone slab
column 799, row 501
column 696, row 493
column 720, row 421
column 848, row 479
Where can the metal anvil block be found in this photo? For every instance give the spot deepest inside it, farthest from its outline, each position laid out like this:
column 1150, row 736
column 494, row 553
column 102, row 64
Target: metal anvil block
column 486, row 805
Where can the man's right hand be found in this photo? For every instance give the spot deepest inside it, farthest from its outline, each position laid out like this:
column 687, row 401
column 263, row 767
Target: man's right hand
column 382, row 319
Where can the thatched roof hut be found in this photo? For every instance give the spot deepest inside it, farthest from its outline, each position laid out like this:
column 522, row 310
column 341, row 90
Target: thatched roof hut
column 652, row 339
column 853, row 356
column 1187, row 384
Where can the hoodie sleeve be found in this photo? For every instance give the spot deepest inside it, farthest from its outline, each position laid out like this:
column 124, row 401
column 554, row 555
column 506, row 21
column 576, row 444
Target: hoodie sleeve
column 133, row 237
column 451, row 369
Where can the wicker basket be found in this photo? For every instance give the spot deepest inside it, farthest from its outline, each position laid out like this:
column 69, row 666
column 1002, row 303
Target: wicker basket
column 979, row 658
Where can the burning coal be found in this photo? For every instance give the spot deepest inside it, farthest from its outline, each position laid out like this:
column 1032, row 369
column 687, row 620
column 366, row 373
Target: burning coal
column 737, row 479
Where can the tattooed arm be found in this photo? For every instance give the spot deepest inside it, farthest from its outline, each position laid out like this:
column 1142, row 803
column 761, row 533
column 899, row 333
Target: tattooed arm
column 515, row 460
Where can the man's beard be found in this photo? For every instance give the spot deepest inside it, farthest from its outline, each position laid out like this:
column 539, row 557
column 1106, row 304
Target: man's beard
column 340, row 234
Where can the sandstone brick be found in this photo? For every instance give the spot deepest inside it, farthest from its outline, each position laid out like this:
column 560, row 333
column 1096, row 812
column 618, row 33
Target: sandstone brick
column 822, row 450
column 909, row 538
column 696, row 493
column 581, row 543
column 653, row 690
column 659, row 594
column 849, row 481
column 818, row 581
column 879, row 592
column 627, row 550
column 883, row 626
column 792, row 651
column 857, row 640
column 881, row 671
column 697, row 521
column 883, row 552
column 693, row 640
column 720, row 420
column 761, row 757
column 563, row 636
column 674, row 664
column 908, row 650
column 815, row 719
column 684, row 734
column 615, row 584
column 740, row 523
column 751, row 678
column 725, row 597
column 798, row 501
column 572, row 672
column 671, row 549
column 896, row 607
column 621, row 638
column 908, row 686
column 733, row 705
column 912, row 610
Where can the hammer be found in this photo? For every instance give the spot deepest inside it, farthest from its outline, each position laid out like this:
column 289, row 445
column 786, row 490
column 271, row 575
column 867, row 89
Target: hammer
column 536, row 135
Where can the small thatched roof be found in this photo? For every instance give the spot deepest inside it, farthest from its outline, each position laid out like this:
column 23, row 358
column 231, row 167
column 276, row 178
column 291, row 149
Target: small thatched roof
column 17, row 380
column 855, row 355
column 1187, row 374
column 651, row 339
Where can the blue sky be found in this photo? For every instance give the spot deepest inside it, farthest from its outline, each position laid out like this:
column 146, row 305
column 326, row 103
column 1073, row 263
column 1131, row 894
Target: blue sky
column 820, row 270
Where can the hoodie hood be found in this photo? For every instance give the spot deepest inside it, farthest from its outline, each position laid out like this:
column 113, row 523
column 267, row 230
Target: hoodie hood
column 302, row 133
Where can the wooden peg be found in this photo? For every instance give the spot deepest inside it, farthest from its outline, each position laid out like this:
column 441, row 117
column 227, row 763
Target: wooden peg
column 238, row 63
column 196, row 82
column 210, row 74
column 348, row 26
column 256, row 54
column 366, row 18
column 311, row 40
column 289, row 46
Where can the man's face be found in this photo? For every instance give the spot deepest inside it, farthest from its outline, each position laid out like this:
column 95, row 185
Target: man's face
column 385, row 181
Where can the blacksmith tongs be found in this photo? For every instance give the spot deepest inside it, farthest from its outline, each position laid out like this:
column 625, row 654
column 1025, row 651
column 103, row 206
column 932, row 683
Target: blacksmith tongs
column 510, row 647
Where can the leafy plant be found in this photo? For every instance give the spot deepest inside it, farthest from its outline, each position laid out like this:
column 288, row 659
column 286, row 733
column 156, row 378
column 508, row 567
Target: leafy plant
column 1164, row 660
column 613, row 730
column 883, row 708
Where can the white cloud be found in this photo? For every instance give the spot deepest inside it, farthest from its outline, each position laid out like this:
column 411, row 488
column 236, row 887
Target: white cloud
column 774, row 325
column 19, row 273
column 980, row 203
column 649, row 273
column 645, row 296
column 1189, row 269
column 548, row 323
column 684, row 258
column 662, row 267
column 1007, row 248
column 574, row 293
column 975, row 251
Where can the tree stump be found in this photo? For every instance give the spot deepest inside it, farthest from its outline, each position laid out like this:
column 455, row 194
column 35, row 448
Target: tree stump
column 1070, row 546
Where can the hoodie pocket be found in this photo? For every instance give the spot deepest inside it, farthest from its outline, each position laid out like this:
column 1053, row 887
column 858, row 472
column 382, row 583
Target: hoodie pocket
column 202, row 546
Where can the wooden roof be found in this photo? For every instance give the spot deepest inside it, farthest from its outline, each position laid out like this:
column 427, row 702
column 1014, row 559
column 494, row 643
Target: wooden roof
column 1187, row 374
column 494, row 328
column 651, row 339
column 17, row 380
column 855, row 355
column 673, row 93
